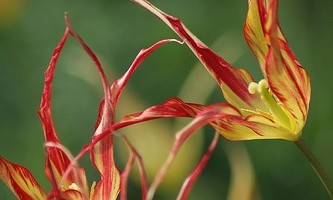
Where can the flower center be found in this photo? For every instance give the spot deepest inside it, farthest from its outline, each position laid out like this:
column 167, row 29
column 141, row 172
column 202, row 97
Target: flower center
column 72, row 186
column 262, row 88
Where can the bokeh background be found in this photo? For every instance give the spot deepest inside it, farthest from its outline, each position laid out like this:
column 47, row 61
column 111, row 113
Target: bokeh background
column 116, row 31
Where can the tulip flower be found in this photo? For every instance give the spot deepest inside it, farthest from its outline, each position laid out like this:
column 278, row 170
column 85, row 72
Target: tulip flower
column 67, row 178
column 274, row 108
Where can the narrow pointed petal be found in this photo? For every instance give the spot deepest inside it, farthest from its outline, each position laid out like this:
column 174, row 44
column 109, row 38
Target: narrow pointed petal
column 20, row 181
column 208, row 115
column 106, row 110
column 286, row 77
column 57, row 161
column 174, row 107
column 134, row 155
column 254, row 31
column 119, row 85
column 44, row 111
column 102, row 151
column 234, row 82
column 190, row 180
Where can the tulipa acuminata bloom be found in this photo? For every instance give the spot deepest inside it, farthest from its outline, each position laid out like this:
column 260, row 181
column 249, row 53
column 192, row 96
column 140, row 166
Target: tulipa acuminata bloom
column 274, row 108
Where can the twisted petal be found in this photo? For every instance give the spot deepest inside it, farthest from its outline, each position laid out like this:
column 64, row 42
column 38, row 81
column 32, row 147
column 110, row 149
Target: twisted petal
column 119, row 85
column 102, row 151
column 234, row 82
column 20, row 181
column 57, row 161
column 174, row 107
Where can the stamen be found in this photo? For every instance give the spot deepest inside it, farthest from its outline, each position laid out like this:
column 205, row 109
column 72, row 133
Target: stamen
column 262, row 89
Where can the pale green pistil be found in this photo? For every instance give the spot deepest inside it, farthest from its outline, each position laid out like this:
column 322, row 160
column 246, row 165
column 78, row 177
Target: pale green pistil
column 262, row 88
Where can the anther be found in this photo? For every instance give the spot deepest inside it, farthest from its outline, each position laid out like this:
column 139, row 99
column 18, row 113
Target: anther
column 262, row 86
column 253, row 88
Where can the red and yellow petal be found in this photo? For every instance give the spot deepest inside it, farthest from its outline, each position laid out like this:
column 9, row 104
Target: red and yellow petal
column 57, row 160
column 254, row 31
column 174, row 107
column 231, row 124
column 234, row 82
column 20, row 181
column 103, row 159
column 72, row 194
column 102, row 150
column 63, row 174
column 119, row 85
column 255, row 126
column 287, row 79
column 102, row 156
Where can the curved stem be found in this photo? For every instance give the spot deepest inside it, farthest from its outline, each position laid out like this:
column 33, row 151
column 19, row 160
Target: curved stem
column 316, row 166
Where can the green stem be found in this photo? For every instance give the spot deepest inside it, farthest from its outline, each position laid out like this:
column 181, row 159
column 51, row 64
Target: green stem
column 316, row 166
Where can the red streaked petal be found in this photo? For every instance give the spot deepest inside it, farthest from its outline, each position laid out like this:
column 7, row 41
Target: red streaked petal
column 118, row 85
column 174, row 107
column 255, row 126
column 102, row 151
column 190, row 180
column 231, row 80
column 103, row 159
column 66, row 176
column 254, row 31
column 229, row 120
column 109, row 185
column 208, row 115
column 44, row 111
column 286, row 77
column 72, row 195
column 57, row 161
column 20, row 181
column 134, row 155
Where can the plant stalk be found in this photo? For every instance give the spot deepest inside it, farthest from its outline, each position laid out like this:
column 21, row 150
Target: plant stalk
column 318, row 168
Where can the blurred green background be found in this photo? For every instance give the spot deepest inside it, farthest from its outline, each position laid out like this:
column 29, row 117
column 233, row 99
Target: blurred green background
column 116, row 31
